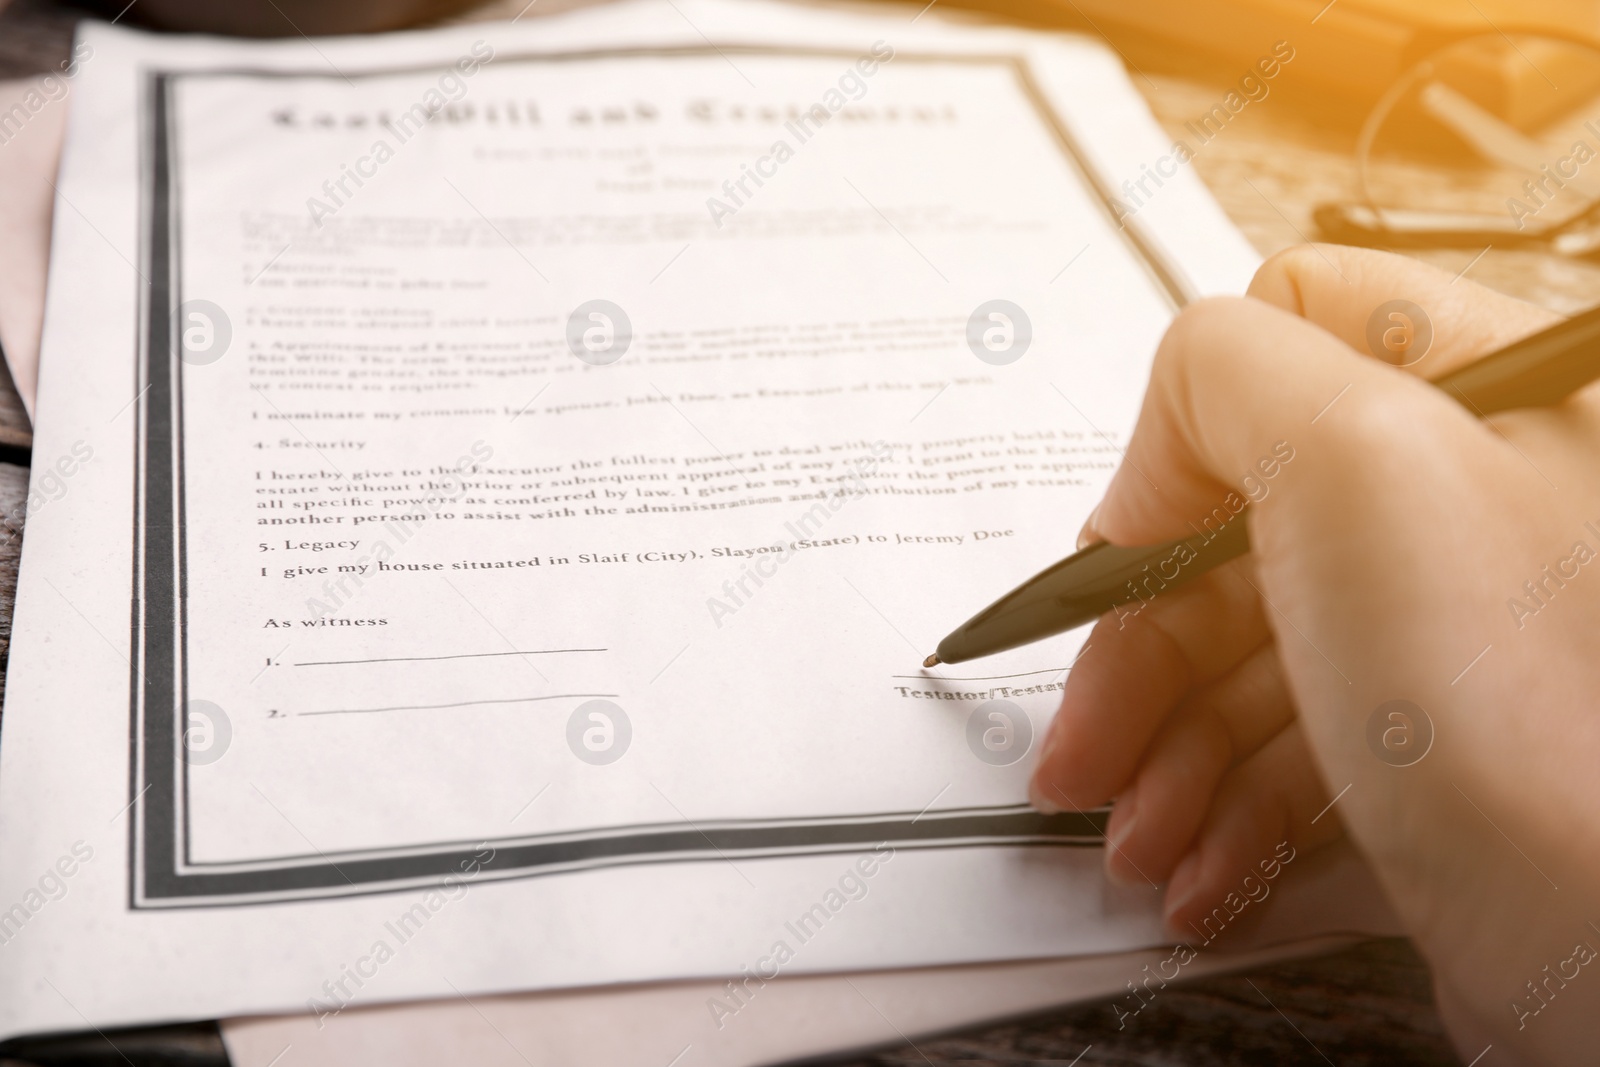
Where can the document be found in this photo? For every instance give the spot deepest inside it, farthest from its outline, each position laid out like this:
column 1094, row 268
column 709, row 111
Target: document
column 508, row 477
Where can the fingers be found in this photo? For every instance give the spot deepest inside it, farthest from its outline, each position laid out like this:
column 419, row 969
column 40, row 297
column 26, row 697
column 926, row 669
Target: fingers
column 1137, row 665
column 1272, row 807
column 1340, row 289
column 1156, row 819
column 1238, row 387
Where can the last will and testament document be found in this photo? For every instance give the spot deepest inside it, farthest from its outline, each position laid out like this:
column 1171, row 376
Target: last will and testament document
column 503, row 481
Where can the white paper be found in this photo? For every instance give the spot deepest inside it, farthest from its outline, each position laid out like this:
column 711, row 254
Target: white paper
column 793, row 1018
column 406, row 807
column 33, row 116
column 1312, row 910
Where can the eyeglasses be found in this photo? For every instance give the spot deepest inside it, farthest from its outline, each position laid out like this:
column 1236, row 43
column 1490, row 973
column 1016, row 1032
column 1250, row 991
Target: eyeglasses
column 1493, row 139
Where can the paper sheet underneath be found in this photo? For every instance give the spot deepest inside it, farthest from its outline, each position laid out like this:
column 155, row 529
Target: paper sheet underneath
column 27, row 169
column 710, row 1025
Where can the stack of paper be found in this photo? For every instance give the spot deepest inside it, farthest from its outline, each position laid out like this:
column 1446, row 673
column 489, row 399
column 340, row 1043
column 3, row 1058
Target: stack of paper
column 537, row 457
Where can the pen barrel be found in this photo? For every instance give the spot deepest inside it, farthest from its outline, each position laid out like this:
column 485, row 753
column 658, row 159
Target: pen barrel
column 1090, row 583
column 1534, row 372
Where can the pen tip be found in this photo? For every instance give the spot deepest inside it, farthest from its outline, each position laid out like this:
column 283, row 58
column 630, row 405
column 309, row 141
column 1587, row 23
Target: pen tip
column 931, row 661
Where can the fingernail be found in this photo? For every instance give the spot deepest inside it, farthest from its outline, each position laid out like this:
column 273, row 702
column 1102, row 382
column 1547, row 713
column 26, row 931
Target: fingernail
column 1042, row 802
column 1182, row 888
column 1126, row 815
column 1052, row 740
column 1089, row 535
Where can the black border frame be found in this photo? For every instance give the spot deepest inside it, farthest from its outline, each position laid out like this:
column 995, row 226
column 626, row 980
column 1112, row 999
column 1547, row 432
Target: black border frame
column 157, row 879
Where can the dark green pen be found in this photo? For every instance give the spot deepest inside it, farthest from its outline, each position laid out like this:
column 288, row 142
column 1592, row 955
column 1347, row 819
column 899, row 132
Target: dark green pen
column 1535, row 372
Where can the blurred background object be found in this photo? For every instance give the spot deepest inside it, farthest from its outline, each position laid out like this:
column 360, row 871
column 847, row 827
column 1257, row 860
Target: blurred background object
column 279, row 18
column 1352, row 49
column 1507, row 125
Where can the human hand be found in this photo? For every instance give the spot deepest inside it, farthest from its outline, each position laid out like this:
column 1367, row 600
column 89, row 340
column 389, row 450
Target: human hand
column 1388, row 552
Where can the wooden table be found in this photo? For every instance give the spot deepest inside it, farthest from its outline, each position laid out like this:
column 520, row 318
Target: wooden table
column 1369, row 1005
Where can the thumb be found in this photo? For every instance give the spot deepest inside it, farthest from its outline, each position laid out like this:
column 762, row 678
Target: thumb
column 1238, row 389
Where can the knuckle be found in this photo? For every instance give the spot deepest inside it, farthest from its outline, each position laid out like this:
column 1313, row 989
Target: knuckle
column 1293, row 267
column 1199, row 331
column 1386, row 430
column 1203, row 320
column 1217, row 743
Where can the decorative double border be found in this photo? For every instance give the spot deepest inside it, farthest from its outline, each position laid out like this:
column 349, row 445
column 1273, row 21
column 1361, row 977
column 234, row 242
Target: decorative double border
column 160, row 872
